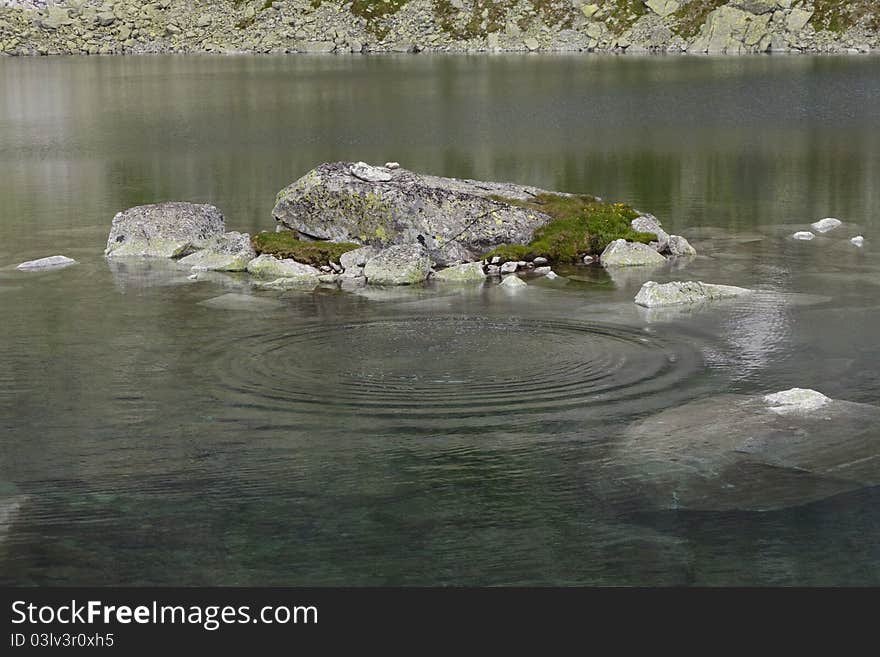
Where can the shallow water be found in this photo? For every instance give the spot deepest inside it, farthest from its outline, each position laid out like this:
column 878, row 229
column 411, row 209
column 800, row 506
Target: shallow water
column 157, row 430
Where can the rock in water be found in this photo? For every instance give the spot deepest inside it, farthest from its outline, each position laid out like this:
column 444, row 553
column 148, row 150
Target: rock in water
column 404, row 264
column 653, row 295
column 470, row 272
column 679, row 246
column 825, row 225
column 227, row 252
column 649, row 224
column 456, row 220
column 803, row 235
column 163, row 230
column 858, row 240
column 352, row 261
column 739, row 452
column 621, row 253
column 269, row 267
column 52, row 262
column 512, row 282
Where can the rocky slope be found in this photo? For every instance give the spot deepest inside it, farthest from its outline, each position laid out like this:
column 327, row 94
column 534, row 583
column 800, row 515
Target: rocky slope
column 47, row 27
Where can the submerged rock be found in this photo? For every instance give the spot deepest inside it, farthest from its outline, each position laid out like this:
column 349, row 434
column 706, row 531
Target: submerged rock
column 404, row 264
column 739, row 452
column 456, row 220
column 163, row 230
column 245, row 302
column 621, row 253
column 267, row 266
column 803, row 235
column 227, row 252
column 653, row 295
column 825, row 225
column 512, row 282
column 51, row 262
column 469, row 272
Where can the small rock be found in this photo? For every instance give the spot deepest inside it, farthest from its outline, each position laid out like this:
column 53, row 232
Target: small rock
column 509, row 267
column 267, row 266
column 403, row 264
column 858, row 240
column 369, row 173
column 551, row 276
column 227, row 252
column 540, row 260
column 589, row 260
column 495, row 260
column 803, row 235
column 468, row 272
column 52, row 262
column 542, row 271
column 328, row 278
column 825, row 225
column 531, row 43
column 493, row 270
column 621, row 253
column 678, row 246
column 336, row 268
column 193, row 277
column 351, row 260
column 392, row 165
column 796, row 400
column 512, row 282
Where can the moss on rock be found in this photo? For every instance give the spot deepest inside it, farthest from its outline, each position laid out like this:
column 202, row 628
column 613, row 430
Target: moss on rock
column 581, row 225
column 285, row 244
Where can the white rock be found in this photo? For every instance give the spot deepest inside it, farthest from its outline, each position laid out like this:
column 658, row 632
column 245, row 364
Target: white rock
column 858, row 240
column 509, row 267
column 653, row 295
column 270, row 267
column 803, row 235
column 679, row 246
column 52, row 262
column 540, row 260
column 392, row 165
column 824, row 225
column 551, row 276
column 796, row 400
column 495, row 260
column 621, row 253
column 370, row 173
column 512, row 282
column 542, row 271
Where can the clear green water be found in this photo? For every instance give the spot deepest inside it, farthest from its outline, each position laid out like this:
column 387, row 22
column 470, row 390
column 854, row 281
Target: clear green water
column 419, row 436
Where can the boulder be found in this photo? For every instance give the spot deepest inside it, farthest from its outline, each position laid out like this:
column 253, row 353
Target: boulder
column 653, row 295
column 678, row 246
column 456, row 220
column 352, row 261
column 469, row 272
column 269, row 267
column 826, row 225
column 621, row 253
column 227, row 252
column 403, row 264
column 512, row 282
column 163, row 230
column 52, row 262
column 750, row 452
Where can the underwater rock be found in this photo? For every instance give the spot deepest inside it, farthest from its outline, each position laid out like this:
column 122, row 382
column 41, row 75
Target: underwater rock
column 621, row 253
column 825, row 225
column 163, row 230
column 227, row 252
column 51, row 262
column 404, row 264
column 245, row 302
column 740, row 452
column 512, row 282
column 469, row 272
column 653, row 294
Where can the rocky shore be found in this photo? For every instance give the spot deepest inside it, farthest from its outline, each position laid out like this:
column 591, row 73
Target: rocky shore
column 44, row 27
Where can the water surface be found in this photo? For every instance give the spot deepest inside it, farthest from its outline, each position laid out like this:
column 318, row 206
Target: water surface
column 158, row 430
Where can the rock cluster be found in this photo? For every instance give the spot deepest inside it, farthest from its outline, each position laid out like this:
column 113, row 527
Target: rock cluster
column 37, row 27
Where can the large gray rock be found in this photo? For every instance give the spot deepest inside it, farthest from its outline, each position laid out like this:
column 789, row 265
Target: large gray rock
column 749, row 452
column 678, row 246
column 653, row 295
column 826, row 225
column 227, row 252
column 163, row 230
column 269, row 267
column 648, row 224
column 403, row 264
column 456, row 220
column 621, row 253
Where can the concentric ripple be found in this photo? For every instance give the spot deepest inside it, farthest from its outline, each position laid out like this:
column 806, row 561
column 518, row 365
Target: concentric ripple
column 450, row 366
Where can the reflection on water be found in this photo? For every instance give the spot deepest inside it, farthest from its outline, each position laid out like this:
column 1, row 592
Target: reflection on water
column 158, row 429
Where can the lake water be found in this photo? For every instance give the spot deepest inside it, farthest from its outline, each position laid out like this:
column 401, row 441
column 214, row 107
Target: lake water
column 155, row 431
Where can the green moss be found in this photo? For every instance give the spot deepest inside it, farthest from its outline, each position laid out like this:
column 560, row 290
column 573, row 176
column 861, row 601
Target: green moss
column 488, row 16
column 286, row 245
column 837, row 16
column 622, row 14
column 581, row 225
column 691, row 16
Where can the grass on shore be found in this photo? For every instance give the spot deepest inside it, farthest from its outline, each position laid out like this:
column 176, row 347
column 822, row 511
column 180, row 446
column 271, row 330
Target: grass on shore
column 286, row 245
